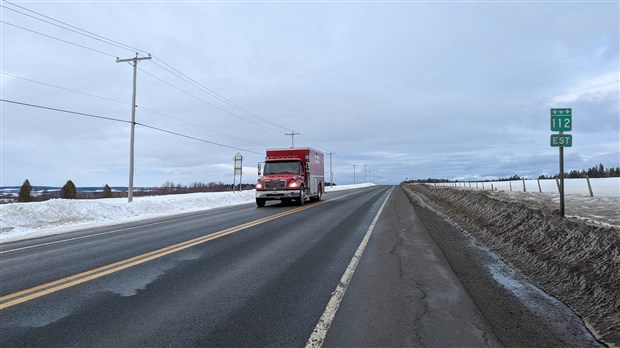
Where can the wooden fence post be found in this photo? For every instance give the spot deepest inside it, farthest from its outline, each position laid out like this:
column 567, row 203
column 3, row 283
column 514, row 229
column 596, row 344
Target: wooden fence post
column 539, row 189
column 524, row 190
column 589, row 186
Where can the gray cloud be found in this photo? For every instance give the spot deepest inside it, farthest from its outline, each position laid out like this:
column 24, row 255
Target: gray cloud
column 455, row 90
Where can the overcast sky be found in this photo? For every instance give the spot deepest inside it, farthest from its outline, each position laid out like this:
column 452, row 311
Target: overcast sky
column 458, row 90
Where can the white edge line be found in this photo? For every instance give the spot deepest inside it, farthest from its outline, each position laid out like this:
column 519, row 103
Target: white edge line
column 322, row 327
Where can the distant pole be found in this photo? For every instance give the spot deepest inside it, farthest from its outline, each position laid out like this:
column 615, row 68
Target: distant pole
column 238, row 169
column 365, row 165
column 292, row 134
column 134, row 62
column 355, row 165
column 331, row 173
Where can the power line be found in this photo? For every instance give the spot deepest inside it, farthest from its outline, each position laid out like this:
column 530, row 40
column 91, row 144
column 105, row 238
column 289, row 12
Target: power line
column 81, row 31
column 106, row 40
column 59, row 39
column 207, row 102
column 125, row 121
column 197, row 125
column 194, row 138
column 65, row 111
column 64, row 88
column 126, row 103
column 172, row 70
column 310, row 142
column 214, row 94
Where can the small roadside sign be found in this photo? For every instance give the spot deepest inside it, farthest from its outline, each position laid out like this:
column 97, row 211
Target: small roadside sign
column 561, row 140
column 562, row 120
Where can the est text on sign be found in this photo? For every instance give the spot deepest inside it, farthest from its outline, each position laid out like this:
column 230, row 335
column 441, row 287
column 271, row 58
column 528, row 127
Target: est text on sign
column 563, row 140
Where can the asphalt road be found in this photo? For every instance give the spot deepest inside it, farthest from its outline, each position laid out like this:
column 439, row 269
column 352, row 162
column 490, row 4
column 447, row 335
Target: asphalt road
column 243, row 276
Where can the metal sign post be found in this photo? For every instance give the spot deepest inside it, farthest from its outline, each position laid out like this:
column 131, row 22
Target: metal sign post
column 238, row 160
column 561, row 121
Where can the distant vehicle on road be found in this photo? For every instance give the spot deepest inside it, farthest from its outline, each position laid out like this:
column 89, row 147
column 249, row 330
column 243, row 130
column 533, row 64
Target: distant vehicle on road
column 293, row 174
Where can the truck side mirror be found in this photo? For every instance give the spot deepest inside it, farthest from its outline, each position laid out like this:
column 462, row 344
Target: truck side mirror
column 259, row 173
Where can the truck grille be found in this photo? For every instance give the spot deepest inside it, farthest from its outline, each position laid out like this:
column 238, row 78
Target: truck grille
column 275, row 184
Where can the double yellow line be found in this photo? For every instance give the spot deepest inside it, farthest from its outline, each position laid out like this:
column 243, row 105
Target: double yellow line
column 52, row 287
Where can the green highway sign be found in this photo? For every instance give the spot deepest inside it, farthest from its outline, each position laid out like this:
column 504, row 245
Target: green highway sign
column 561, row 140
column 561, row 120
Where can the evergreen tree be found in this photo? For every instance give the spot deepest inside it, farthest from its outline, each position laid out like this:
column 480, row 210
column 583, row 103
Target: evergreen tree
column 25, row 192
column 107, row 191
column 68, row 191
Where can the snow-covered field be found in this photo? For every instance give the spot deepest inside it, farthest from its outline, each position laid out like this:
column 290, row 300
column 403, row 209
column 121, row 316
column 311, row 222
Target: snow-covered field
column 602, row 208
column 600, row 186
column 31, row 220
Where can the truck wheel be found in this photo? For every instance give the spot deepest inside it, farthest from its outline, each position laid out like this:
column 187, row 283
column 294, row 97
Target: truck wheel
column 318, row 196
column 260, row 202
column 301, row 197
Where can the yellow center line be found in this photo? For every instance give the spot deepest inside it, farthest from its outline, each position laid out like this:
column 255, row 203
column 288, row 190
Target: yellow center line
column 67, row 282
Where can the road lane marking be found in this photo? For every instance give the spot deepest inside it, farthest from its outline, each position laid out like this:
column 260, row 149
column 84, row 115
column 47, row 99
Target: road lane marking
column 88, row 236
column 67, row 282
column 322, row 327
column 128, row 228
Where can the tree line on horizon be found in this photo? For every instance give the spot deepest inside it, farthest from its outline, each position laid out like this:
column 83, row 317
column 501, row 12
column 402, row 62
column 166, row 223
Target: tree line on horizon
column 595, row 172
column 69, row 191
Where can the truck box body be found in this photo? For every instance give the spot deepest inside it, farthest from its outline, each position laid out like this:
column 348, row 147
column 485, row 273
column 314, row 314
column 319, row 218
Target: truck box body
column 291, row 174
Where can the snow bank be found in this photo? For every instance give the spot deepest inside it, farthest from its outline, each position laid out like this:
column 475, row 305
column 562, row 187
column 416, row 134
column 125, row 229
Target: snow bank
column 347, row 187
column 575, row 260
column 31, row 220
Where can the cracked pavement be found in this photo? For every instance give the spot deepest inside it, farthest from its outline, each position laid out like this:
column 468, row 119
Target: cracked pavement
column 423, row 282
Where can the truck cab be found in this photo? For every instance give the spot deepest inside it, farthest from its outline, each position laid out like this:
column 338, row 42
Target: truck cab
column 294, row 174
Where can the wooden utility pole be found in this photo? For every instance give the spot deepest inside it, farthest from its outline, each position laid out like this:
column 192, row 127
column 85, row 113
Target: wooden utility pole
column 331, row 173
column 134, row 62
column 292, row 134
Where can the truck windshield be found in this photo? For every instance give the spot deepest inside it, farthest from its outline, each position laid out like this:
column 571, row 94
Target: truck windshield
column 285, row 167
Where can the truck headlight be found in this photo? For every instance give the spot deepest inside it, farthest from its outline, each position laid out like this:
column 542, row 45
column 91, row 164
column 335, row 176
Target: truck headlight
column 294, row 184
column 259, row 185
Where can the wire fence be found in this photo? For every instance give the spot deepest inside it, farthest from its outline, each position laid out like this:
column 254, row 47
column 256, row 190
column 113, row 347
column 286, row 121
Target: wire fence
column 583, row 186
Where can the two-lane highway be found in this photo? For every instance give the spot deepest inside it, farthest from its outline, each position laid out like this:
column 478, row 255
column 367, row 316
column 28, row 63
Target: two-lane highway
column 236, row 277
column 365, row 268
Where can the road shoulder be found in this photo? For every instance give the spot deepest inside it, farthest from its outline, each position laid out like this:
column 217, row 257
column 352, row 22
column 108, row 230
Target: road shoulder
column 405, row 293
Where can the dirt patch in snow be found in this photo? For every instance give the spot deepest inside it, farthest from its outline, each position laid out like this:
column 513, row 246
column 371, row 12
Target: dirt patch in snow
column 573, row 259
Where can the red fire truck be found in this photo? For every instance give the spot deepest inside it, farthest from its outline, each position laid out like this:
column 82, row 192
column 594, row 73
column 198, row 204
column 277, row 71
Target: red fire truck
column 293, row 174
